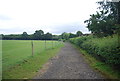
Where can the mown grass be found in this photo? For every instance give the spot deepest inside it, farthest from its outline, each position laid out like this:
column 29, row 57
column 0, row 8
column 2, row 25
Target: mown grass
column 18, row 62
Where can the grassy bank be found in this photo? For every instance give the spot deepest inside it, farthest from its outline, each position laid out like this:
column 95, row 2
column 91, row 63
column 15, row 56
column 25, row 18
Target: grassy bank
column 102, row 53
column 18, row 62
column 103, row 68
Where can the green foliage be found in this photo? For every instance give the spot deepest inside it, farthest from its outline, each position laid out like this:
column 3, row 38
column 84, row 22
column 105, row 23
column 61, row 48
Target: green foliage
column 38, row 35
column 65, row 36
column 79, row 33
column 103, row 23
column 48, row 36
column 24, row 36
column 72, row 35
column 105, row 69
column 79, row 40
column 106, row 49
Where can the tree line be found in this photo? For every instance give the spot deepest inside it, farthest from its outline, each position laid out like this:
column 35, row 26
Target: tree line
column 40, row 35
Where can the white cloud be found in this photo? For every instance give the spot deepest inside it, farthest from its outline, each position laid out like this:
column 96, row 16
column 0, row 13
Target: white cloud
column 49, row 15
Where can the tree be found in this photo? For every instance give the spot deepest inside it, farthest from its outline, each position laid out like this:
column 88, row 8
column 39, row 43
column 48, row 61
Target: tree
column 65, row 36
column 55, row 37
column 1, row 36
column 72, row 35
column 79, row 33
column 38, row 35
column 103, row 22
column 24, row 36
column 48, row 36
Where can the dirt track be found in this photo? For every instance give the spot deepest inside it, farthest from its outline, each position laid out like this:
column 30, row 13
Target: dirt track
column 68, row 64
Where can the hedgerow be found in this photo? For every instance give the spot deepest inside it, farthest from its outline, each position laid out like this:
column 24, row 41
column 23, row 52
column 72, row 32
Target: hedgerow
column 105, row 49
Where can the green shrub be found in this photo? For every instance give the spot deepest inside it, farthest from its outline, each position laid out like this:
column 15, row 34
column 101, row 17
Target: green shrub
column 106, row 49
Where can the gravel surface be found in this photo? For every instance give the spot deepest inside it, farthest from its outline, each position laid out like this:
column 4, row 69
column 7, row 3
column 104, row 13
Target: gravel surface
column 68, row 64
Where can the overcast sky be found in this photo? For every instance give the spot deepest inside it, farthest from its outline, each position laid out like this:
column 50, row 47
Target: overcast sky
column 54, row 16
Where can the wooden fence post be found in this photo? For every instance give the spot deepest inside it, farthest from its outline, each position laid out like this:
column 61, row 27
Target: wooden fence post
column 45, row 44
column 52, row 42
column 32, row 48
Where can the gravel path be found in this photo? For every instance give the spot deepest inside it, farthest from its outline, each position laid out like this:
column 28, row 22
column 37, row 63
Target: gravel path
column 68, row 64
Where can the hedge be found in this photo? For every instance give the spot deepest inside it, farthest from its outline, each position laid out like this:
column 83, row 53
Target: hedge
column 106, row 49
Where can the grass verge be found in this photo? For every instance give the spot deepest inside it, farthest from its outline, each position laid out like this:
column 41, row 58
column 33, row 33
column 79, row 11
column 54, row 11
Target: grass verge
column 103, row 68
column 29, row 67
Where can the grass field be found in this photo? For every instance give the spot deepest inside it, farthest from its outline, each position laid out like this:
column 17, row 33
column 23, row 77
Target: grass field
column 17, row 57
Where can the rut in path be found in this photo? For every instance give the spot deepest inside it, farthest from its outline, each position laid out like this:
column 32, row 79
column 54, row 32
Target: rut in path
column 69, row 64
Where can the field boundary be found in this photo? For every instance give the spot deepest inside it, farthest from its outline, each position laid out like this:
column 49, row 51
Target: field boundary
column 99, row 66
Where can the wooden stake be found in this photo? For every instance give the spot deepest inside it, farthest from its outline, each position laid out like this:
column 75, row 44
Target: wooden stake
column 52, row 42
column 45, row 44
